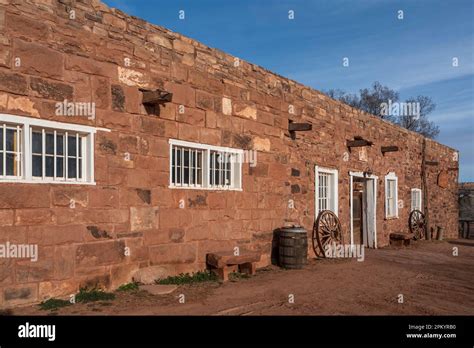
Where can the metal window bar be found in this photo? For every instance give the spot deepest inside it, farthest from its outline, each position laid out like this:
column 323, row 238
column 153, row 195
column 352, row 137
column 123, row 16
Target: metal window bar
column 18, row 152
column 77, row 157
column 66, row 155
column 4, row 130
column 175, row 165
column 182, row 166
column 54, row 154
column 43, row 153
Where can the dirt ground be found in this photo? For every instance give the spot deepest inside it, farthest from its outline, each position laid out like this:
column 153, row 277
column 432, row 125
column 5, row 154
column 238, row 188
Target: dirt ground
column 431, row 280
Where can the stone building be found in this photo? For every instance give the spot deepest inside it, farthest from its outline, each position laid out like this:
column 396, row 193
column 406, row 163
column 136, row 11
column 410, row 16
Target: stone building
column 107, row 175
column 466, row 209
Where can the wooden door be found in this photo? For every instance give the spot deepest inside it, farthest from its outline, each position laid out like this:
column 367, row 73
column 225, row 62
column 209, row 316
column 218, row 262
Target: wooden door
column 357, row 216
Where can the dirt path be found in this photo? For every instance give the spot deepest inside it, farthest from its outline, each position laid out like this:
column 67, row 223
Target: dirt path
column 430, row 278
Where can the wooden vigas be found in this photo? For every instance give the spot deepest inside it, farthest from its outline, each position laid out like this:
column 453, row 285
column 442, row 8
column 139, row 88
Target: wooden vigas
column 224, row 262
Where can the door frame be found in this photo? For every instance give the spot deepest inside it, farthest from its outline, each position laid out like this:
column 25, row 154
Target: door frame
column 370, row 178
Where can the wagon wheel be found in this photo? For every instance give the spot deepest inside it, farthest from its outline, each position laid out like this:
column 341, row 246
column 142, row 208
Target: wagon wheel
column 417, row 224
column 326, row 229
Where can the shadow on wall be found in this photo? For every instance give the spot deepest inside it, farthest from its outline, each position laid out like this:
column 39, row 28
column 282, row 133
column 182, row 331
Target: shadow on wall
column 275, row 251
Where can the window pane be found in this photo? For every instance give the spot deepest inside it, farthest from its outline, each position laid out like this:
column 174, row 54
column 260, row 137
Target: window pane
column 80, row 146
column 59, row 144
column 186, row 158
column 71, row 167
column 71, row 144
column 50, row 144
column 80, row 169
column 60, row 167
column 37, row 165
column 11, row 140
column 1, row 163
column 11, row 164
column 1, row 138
column 49, row 163
column 37, row 143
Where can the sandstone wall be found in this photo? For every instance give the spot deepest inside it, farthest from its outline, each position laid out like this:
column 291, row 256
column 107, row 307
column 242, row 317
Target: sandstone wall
column 228, row 104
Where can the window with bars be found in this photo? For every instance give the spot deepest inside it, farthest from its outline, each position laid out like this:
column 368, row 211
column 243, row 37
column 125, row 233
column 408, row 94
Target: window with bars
column 10, row 151
column 57, row 155
column 324, row 195
column 35, row 150
column 201, row 166
column 186, row 166
column 326, row 190
column 391, row 196
column 416, row 199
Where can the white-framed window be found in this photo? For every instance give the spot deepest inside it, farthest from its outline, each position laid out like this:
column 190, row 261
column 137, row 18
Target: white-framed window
column 416, row 198
column 326, row 190
column 201, row 166
column 391, row 195
column 40, row 151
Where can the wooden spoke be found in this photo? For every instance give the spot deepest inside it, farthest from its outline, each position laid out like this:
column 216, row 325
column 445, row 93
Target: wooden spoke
column 326, row 230
column 417, row 224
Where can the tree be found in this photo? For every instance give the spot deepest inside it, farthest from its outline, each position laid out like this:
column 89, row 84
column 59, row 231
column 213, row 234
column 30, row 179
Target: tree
column 384, row 102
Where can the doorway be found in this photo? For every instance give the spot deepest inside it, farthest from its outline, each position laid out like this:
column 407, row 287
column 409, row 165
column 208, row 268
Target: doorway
column 357, row 210
column 363, row 202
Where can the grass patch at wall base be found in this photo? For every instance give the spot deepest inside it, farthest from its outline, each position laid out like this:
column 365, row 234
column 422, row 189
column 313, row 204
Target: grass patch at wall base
column 186, row 278
column 53, row 304
column 128, row 287
column 92, row 295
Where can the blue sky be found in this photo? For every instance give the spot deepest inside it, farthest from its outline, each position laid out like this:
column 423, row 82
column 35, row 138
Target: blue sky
column 413, row 55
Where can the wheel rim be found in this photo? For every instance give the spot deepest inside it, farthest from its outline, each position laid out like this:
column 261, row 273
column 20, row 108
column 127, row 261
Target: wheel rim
column 326, row 230
column 417, row 224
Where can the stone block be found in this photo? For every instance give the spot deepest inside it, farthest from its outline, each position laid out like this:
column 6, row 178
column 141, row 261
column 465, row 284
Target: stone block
column 20, row 294
column 143, row 218
column 18, row 196
column 245, row 110
column 14, row 83
column 173, row 253
column 38, row 59
column 100, row 253
column 51, row 90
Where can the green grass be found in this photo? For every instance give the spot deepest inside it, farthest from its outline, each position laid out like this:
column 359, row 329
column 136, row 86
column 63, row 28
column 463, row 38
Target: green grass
column 128, row 287
column 92, row 295
column 235, row 276
column 53, row 304
column 186, row 278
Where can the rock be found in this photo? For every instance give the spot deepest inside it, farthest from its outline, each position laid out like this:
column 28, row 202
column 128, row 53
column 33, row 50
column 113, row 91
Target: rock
column 148, row 275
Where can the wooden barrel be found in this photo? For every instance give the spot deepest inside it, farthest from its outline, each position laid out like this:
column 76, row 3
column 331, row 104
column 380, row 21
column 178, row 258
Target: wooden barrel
column 293, row 247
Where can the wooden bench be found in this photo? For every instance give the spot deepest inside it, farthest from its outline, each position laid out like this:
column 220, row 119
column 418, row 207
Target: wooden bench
column 401, row 239
column 224, row 262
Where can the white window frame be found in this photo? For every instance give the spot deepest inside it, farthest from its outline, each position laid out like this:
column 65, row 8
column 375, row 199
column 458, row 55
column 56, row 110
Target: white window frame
column 419, row 192
column 236, row 166
column 391, row 177
column 27, row 125
column 333, row 191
